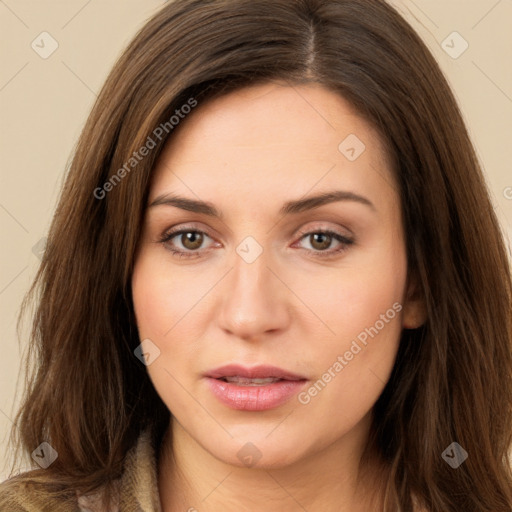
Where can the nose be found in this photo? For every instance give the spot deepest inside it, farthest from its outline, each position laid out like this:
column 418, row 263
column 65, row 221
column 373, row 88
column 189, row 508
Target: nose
column 255, row 301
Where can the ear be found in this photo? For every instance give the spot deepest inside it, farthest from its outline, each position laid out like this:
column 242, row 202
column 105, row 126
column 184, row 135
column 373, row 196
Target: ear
column 415, row 310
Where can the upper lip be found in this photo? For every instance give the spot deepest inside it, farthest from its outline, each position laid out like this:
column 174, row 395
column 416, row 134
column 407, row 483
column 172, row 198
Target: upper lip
column 253, row 372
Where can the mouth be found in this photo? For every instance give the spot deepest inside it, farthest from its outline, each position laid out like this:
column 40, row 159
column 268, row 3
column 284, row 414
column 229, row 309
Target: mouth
column 255, row 373
column 244, row 381
column 253, row 389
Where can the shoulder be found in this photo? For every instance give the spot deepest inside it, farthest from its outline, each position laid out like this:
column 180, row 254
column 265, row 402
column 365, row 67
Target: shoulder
column 19, row 494
column 137, row 487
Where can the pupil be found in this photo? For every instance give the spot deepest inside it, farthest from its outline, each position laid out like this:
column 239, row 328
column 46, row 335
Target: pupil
column 193, row 240
column 317, row 239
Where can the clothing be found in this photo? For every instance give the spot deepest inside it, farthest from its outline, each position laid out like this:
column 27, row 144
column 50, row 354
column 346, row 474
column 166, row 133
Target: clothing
column 138, row 488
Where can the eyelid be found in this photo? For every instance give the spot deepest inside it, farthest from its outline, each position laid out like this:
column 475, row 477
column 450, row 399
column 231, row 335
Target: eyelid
column 322, row 227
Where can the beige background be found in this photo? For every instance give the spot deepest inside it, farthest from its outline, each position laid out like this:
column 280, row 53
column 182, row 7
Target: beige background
column 44, row 103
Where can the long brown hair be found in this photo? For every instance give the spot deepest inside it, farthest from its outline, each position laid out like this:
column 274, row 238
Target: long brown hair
column 90, row 397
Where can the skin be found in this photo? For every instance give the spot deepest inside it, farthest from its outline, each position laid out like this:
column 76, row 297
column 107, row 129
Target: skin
column 248, row 153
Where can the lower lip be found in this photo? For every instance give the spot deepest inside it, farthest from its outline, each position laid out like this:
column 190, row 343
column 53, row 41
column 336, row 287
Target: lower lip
column 255, row 398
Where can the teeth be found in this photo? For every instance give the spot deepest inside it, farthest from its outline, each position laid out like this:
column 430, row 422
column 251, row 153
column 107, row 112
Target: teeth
column 244, row 381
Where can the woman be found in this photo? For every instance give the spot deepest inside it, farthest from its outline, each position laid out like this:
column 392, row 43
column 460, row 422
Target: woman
column 274, row 280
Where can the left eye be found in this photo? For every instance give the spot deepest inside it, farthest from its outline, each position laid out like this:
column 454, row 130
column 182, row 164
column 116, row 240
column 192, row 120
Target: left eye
column 191, row 240
column 321, row 240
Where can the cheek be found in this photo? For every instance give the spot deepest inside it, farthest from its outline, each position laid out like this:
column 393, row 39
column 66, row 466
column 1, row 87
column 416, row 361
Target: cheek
column 363, row 310
column 162, row 298
column 351, row 299
column 161, row 302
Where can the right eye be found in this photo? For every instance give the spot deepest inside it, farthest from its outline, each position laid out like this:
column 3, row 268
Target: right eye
column 189, row 240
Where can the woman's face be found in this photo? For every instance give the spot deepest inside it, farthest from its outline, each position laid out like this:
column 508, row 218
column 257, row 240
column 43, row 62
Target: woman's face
column 269, row 341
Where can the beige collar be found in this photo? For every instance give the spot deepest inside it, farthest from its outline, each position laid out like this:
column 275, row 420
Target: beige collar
column 138, row 486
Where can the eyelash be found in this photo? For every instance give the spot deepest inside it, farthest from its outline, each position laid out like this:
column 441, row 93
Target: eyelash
column 344, row 241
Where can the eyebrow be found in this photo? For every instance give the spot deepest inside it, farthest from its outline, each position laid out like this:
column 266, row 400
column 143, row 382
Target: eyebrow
column 291, row 207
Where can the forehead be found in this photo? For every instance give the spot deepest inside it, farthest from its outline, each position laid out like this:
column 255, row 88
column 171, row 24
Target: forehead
column 269, row 139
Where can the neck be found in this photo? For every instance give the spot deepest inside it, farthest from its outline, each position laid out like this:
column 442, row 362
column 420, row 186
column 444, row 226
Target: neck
column 191, row 479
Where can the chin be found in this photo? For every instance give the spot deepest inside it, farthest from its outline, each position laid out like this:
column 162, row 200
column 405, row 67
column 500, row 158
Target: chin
column 257, row 449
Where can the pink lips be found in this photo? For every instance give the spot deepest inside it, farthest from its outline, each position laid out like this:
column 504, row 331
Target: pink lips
column 253, row 389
